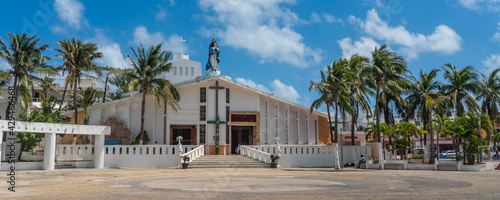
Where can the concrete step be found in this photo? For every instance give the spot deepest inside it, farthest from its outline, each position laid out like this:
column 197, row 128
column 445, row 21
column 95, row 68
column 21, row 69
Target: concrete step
column 64, row 166
column 232, row 161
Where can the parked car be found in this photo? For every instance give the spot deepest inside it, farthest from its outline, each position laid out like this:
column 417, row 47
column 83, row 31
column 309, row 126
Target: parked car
column 449, row 154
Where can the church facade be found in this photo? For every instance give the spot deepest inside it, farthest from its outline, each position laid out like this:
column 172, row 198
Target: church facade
column 214, row 111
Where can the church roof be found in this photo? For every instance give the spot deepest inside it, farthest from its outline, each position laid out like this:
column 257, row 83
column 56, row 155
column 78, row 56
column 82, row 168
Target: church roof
column 196, row 81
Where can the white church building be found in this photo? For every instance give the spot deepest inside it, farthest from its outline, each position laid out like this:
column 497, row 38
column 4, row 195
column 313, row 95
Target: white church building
column 247, row 116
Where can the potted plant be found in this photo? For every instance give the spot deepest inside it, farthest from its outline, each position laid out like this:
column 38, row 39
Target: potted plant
column 185, row 162
column 274, row 161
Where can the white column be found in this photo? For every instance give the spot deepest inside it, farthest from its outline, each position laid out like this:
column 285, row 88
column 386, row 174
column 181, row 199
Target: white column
column 99, row 152
column 49, row 151
column 1, row 147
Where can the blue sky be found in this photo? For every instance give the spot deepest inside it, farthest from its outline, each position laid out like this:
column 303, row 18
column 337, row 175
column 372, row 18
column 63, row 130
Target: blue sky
column 277, row 46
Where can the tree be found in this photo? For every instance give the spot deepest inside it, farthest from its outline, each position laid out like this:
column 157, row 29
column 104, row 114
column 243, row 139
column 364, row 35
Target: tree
column 386, row 67
column 87, row 99
column 323, row 88
column 44, row 114
column 467, row 129
column 121, row 81
column 24, row 56
column 423, row 97
column 78, row 58
column 406, row 130
column 147, row 67
column 460, row 87
column 358, row 86
column 332, row 88
column 490, row 94
column 111, row 71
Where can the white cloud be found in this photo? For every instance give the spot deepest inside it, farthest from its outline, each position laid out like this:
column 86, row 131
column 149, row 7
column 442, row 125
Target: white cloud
column 477, row 5
column 286, row 92
column 496, row 36
column 279, row 89
column 112, row 54
column 443, row 40
column 4, row 65
column 71, row 12
column 316, row 18
column 142, row 36
column 263, row 28
column 492, row 62
column 252, row 84
column 161, row 14
column 172, row 2
column 331, row 19
column 364, row 46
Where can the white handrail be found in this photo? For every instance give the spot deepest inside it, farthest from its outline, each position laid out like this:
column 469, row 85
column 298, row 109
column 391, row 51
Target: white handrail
column 255, row 154
column 193, row 155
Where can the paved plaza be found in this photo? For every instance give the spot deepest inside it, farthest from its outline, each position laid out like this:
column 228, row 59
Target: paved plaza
column 285, row 183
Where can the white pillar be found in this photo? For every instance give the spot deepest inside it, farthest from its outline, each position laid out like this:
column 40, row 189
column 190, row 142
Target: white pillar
column 49, row 151
column 99, row 152
column 1, row 147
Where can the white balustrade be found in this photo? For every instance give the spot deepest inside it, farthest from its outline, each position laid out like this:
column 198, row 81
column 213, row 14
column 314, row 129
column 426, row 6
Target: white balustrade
column 255, row 154
column 193, row 154
column 123, row 156
column 311, row 155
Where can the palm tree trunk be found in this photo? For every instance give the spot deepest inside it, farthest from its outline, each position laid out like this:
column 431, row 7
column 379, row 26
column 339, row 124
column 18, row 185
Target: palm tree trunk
column 377, row 119
column 15, row 100
column 76, row 109
column 143, row 109
column 353, row 120
column 337, row 157
column 105, row 89
column 64, row 94
column 431, row 136
column 330, row 122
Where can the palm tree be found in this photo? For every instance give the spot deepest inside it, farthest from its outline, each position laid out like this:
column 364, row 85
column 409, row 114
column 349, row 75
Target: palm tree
column 147, row 66
column 121, row 81
column 490, row 94
column 111, row 71
column 24, row 56
column 423, row 96
column 78, row 60
column 386, row 67
column 323, row 88
column 460, row 87
column 358, row 85
column 406, row 130
column 87, row 99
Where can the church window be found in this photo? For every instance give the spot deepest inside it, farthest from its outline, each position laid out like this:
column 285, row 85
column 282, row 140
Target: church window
column 202, row 134
column 267, row 130
column 307, row 130
column 192, row 71
column 187, row 72
column 227, row 113
column 203, row 95
column 227, row 95
column 175, row 70
column 180, row 71
column 297, row 126
column 203, row 113
column 227, row 134
column 286, row 126
column 276, row 121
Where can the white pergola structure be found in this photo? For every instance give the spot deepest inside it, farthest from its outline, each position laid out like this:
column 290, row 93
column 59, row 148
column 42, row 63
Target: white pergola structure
column 50, row 130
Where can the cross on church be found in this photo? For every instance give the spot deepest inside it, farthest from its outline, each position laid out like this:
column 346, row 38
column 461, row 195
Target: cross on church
column 181, row 40
column 217, row 121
